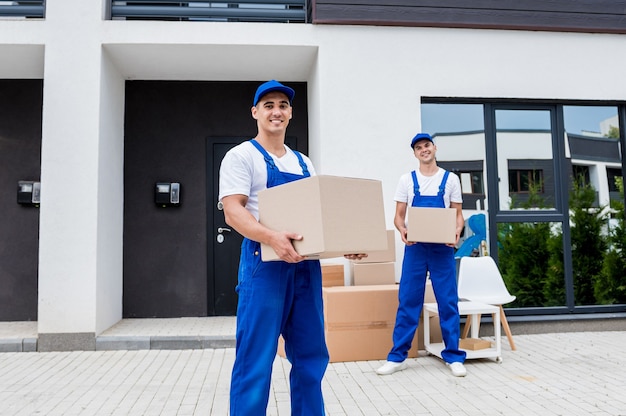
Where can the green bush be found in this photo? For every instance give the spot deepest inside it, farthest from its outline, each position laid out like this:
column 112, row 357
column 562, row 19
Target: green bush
column 610, row 285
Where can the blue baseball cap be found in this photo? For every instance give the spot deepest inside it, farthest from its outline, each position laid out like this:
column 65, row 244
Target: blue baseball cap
column 420, row 136
column 270, row 86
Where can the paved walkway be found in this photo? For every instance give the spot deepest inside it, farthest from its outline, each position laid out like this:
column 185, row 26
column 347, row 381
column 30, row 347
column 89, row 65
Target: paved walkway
column 549, row 374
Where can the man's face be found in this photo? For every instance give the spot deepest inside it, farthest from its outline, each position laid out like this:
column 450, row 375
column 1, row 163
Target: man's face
column 273, row 112
column 425, row 150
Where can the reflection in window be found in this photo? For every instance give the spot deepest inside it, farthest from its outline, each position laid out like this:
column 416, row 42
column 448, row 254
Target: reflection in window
column 530, row 258
column 525, row 159
column 612, row 174
column 530, row 253
column 471, row 182
column 591, row 121
column 593, row 148
column 458, row 131
column 525, row 181
column 581, row 174
column 452, row 118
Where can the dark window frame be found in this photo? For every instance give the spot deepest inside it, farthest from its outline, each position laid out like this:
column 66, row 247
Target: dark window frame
column 562, row 171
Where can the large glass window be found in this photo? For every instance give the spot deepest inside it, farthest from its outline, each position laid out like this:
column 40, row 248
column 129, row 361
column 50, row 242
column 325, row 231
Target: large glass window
column 595, row 204
column 530, row 258
column 549, row 179
column 459, row 134
column 525, row 159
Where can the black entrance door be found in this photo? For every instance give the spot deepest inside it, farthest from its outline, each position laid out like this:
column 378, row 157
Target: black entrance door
column 223, row 243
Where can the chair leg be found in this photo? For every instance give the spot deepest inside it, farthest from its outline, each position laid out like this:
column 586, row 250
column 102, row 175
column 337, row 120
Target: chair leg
column 468, row 325
column 466, row 328
column 507, row 330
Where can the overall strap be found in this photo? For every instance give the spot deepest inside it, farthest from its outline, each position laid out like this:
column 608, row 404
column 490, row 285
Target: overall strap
column 305, row 169
column 272, row 165
column 442, row 187
column 266, row 156
column 416, row 185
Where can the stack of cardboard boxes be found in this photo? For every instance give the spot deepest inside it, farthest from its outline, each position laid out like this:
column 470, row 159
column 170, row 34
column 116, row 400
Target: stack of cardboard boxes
column 378, row 268
column 359, row 317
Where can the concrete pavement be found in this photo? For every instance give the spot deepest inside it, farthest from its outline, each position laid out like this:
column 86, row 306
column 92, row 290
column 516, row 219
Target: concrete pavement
column 569, row 373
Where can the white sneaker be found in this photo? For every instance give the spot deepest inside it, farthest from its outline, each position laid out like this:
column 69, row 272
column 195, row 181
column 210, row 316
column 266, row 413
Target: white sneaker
column 458, row 369
column 391, row 367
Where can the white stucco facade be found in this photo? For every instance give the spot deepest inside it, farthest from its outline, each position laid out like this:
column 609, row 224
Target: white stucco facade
column 365, row 85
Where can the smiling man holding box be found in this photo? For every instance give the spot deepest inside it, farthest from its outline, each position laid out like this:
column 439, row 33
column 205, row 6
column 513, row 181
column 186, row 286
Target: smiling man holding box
column 430, row 187
column 278, row 297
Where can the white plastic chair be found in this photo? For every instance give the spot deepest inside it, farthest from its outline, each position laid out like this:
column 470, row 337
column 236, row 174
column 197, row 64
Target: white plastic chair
column 480, row 281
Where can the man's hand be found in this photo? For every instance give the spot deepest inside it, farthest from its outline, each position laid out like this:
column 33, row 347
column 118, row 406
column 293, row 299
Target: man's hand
column 355, row 256
column 403, row 234
column 282, row 244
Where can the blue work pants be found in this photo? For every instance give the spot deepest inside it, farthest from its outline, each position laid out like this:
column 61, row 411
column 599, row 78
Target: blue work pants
column 439, row 260
column 276, row 298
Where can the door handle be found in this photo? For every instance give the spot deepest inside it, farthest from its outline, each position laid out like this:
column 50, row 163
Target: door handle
column 221, row 230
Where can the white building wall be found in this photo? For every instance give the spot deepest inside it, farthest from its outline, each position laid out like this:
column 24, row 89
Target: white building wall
column 365, row 85
column 71, row 204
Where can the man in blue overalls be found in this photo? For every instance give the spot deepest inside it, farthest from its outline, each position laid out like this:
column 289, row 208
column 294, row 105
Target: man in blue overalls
column 277, row 297
column 429, row 186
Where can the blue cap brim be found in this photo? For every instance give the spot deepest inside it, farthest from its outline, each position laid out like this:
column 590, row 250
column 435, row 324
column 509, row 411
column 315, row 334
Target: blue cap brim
column 421, row 136
column 271, row 86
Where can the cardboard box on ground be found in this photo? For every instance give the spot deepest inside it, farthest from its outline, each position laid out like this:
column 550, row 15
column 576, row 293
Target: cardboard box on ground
column 359, row 322
column 329, row 213
column 431, row 225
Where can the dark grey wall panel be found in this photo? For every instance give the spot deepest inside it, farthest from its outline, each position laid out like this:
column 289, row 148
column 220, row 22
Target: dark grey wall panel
column 167, row 124
column 594, row 148
column 20, row 159
column 596, row 16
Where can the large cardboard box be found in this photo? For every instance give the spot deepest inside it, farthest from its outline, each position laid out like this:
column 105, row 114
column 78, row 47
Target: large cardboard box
column 359, row 322
column 383, row 256
column 333, row 275
column 335, row 215
column 431, row 225
column 372, row 273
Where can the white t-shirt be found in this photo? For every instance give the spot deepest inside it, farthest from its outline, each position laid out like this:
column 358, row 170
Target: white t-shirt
column 243, row 171
column 429, row 186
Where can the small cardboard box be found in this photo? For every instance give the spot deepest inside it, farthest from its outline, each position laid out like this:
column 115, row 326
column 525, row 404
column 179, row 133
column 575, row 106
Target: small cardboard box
column 372, row 273
column 473, row 344
column 327, row 211
column 333, row 275
column 383, row 256
column 431, row 225
column 359, row 322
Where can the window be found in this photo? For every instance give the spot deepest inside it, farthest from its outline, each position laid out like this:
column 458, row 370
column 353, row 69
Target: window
column 538, row 171
column 472, row 182
column 581, row 175
column 611, row 175
column 524, row 181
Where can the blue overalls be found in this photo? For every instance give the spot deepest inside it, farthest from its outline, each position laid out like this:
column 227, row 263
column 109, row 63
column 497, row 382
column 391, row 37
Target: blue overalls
column 276, row 298
column 439, row 260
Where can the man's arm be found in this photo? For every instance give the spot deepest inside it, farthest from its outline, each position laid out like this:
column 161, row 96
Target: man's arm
column 460, row 221
column 399, row 221
column 238, row 217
